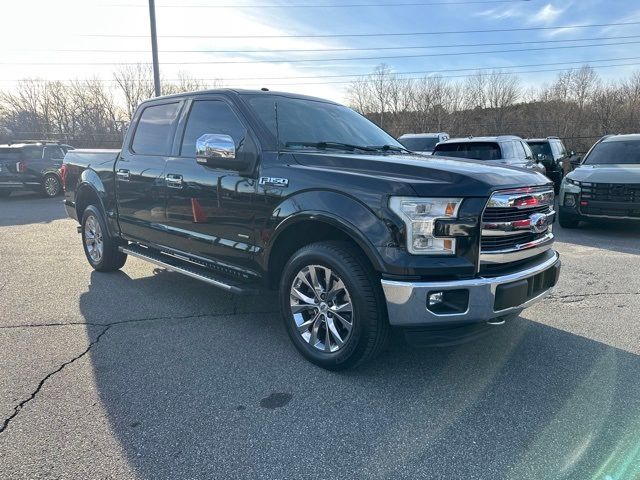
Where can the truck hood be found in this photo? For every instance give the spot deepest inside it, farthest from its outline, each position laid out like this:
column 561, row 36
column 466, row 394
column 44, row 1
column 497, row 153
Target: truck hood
column 616, row 173
column 437, row 176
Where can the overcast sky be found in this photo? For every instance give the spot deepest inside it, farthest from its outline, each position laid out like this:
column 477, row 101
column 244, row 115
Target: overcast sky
column 35, row 33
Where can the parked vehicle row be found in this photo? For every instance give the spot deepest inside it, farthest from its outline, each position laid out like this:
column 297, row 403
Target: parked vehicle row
column 546, row 155
column 254, row 189
column 32, row 165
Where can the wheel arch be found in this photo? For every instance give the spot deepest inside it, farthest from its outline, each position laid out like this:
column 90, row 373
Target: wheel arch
column 305, row 228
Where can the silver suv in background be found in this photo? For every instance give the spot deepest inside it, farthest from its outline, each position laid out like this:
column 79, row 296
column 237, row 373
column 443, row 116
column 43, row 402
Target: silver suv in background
column 606, row 185
column 501, row 150
column 422, row 142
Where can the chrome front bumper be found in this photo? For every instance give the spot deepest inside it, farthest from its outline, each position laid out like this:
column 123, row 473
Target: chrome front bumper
column 407, row 301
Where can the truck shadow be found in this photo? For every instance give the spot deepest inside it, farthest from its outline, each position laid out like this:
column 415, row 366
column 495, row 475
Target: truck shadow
column 613, row 236
column 24, row 208
column 227, row 396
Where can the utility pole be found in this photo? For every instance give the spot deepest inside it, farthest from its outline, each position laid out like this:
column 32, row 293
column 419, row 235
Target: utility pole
column 154, row 47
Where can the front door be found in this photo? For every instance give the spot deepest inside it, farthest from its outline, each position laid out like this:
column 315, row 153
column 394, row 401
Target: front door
column 209, row 210
column 140, row 174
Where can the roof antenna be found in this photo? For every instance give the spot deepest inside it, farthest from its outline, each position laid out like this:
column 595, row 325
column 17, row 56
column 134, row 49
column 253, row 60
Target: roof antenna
column 275, row 106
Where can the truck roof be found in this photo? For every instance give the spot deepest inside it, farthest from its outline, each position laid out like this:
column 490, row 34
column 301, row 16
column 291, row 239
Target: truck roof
column 482, row 139
column 421, row 135
column 240, row 91
column 621, row 138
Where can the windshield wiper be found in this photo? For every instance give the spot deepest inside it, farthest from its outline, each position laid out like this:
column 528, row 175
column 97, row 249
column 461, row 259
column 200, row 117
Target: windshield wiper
column 389, row 148
column 330, row 145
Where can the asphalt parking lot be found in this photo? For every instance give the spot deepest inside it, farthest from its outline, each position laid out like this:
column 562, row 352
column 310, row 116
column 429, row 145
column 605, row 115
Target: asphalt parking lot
column 148, row 374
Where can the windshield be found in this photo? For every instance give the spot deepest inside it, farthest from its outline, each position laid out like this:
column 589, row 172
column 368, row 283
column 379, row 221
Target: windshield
column 302, row 123
column 418, row 144
column 541, row 148
column 473, row 150
column 619, row 151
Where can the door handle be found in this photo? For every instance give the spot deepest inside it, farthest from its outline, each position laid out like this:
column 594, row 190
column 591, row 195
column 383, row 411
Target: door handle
column 123, row 174
column 173, row 180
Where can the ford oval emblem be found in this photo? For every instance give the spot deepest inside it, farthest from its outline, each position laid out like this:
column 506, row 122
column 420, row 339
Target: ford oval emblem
column 538, row 222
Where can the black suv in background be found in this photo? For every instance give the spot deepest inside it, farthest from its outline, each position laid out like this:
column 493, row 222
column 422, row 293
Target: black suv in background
column 31, row 166
column 552, row 153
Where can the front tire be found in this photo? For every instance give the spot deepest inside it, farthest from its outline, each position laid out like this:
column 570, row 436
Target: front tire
column 100, row 248
column 333, row 306
column 568, row 220
column 51, row 186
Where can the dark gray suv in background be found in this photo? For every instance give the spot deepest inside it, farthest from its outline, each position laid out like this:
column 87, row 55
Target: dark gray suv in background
column 31, row 166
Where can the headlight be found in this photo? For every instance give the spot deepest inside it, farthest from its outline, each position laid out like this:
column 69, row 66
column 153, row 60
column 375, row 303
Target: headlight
column 572, row 182
column 419, row 215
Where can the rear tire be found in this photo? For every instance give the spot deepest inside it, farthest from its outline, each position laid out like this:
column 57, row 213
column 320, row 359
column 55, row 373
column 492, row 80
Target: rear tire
column 51, row 185
column 333, row 306
column 568, row 220
column 100, row 248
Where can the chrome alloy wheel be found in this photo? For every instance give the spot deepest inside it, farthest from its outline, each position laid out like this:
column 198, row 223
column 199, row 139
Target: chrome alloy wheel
column 51, row 186
column 93, row 238
column 322, row 308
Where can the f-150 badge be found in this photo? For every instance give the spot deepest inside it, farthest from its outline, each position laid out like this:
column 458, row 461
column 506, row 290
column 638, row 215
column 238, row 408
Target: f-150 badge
column 274, row 182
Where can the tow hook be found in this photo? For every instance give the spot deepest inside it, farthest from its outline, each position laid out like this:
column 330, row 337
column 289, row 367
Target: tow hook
column 497, row 321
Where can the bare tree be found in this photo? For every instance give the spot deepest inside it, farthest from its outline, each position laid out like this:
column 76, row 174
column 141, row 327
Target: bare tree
column 136, row 85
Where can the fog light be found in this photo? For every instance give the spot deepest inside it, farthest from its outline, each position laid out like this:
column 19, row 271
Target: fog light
column 435, row 298
column 569, row 200
column 448, row 302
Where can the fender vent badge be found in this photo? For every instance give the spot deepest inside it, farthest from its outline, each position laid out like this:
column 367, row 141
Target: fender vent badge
column 274, row 182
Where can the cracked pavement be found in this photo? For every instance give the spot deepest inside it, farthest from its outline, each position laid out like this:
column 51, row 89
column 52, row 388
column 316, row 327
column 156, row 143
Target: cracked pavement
column 148, row 374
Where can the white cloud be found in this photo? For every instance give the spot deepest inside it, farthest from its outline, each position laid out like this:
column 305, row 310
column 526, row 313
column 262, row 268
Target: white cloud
column 547, row 14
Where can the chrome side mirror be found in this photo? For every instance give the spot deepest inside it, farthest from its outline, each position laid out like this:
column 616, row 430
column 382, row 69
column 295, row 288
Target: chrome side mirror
column 211, row 147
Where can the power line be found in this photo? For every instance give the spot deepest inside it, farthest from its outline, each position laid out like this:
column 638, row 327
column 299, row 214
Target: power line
column 334, row 5
column 343, row 59
column 410, row 47
column 379, row 34
column 476, row 70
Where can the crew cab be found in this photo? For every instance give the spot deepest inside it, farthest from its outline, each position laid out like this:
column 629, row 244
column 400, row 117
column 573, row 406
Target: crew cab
column 31, row 166
column 251, row 190
column 605, row 186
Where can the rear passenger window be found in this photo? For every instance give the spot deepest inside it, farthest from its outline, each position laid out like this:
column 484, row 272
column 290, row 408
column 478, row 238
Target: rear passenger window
column 53, row 153
column 507, row 150
column 153, row 133
column 210, row 116
column 520, row 153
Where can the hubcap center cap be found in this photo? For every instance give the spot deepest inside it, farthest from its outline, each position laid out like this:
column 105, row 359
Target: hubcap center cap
column 324, row 308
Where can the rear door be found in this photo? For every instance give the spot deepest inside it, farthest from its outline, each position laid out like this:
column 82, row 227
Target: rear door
column 209, row 210
column 140, row 168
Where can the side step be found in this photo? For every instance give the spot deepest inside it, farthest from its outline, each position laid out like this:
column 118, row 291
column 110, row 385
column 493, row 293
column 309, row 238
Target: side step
column 189, row 269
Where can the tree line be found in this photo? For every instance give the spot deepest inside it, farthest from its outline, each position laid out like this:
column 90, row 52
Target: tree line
column 84, row 113
column 577, row 105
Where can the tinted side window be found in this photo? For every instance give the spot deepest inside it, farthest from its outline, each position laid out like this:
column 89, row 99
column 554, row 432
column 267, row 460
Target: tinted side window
column 210, row 116
column 53, row 153
column 153, row 133
column 527, row 150
column 507, row 150
column 32, row 153
column 519, row 149
column 558, row 150
column 474, row 150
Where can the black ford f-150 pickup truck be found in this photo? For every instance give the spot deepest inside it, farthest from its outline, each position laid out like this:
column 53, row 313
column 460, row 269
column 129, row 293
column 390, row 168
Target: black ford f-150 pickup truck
column 250, row 189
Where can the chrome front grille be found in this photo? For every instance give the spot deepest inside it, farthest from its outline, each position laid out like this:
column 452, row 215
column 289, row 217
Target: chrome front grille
column 516, row 225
